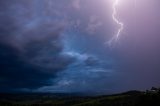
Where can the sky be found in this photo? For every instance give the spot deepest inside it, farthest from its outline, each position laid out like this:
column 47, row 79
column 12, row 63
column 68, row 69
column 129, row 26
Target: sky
column 61, row 46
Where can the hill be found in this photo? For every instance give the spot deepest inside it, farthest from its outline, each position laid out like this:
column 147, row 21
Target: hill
column 131, row 98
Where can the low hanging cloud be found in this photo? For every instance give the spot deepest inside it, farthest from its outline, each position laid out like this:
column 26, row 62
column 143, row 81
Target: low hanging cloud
column 87, row 74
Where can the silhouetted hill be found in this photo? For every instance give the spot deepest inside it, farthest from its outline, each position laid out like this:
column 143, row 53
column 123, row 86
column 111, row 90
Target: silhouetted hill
column 130, row 98
column 134, row 92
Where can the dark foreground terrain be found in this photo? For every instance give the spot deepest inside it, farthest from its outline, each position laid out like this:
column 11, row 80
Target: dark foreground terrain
column 131, row 98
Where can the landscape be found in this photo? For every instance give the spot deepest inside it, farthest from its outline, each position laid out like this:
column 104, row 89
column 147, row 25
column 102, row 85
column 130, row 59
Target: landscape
column 79, row 53
column 130, row 98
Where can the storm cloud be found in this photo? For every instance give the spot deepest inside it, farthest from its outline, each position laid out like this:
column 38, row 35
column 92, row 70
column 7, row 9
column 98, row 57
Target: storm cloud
column 60, row 46
column 30, row 47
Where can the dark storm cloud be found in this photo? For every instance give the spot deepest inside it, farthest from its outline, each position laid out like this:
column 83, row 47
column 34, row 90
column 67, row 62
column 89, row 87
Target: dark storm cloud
column 59, row 45
column 30, row 47
column 87, row 74
column 31, row 33
column 16, row 73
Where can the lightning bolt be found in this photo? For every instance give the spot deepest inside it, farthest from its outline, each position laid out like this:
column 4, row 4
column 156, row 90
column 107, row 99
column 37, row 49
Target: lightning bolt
column 116, row 20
